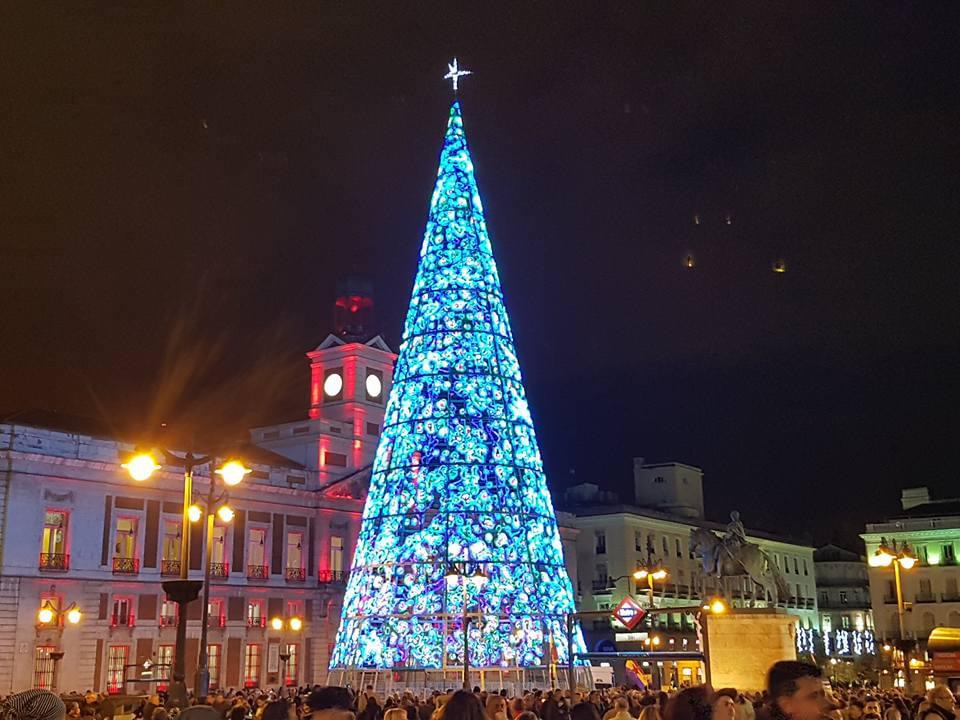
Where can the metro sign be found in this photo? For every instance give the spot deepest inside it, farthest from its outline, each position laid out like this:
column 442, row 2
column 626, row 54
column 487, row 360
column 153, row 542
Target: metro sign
column 629, row 612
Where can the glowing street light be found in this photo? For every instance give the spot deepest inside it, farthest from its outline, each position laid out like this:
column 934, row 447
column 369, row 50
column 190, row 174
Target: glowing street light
column 141, row 466
column 232, row 472
column 194, row 513
column 899, row 557
column 277, row 623
column 45, row 616
column 225, row 513
column 50, row 613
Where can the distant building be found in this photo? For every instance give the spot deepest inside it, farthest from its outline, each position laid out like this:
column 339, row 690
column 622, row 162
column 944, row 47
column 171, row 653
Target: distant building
column 616, row 537
column 932, row 529
column 843, row 599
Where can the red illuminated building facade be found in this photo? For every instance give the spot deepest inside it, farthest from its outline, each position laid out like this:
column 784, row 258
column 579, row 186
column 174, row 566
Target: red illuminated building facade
column 74, row 528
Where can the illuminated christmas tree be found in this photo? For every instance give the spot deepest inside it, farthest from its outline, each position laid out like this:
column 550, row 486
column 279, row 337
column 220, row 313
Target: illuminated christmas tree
column 458, row 481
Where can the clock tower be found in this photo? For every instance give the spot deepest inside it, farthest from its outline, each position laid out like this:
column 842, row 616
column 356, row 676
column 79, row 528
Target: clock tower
column 351, row 372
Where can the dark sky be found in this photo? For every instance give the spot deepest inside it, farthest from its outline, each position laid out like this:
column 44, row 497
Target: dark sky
column 181, row 185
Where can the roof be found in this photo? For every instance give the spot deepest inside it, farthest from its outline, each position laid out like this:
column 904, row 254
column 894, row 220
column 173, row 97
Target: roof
column 835, row 553
column 936, row 508
column 261, row 456
column 63, row 422
column 624, row 509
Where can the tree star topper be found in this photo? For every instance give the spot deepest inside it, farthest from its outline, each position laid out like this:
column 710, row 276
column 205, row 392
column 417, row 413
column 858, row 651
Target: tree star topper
column 455, row 73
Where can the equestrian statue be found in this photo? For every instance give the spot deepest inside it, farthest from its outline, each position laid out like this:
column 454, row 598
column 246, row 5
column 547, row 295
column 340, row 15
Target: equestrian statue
column 732, row 555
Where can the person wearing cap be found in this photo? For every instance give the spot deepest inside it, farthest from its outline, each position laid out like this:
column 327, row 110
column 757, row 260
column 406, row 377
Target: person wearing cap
column 33, row 705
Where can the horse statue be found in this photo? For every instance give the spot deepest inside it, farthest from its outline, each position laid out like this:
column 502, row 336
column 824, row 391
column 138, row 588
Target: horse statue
column 733, row 556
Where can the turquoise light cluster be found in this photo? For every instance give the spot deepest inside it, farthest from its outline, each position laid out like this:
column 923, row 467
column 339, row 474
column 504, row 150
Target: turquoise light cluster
column 457, row 476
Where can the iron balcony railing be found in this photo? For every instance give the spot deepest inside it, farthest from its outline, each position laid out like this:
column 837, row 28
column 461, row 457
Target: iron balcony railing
column 170, row 568
column 296, row 574
column 125, row 566
column 54, row 561
column 168, row 620
column 258, row 572
column 219, row 569
column 333, row 576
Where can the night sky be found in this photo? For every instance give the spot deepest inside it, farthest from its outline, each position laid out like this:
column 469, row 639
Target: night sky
column 181, row 186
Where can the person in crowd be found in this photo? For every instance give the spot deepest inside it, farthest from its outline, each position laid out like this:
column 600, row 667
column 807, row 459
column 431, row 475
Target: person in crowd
column 73, row 710
column 395, row 713
column 620, row 710
column 941, row 705
column 330, row 703
column 689, row 704
column 724, row 706
column 33, row 705
column 584, row 711
column 795, row 691
column 650, row 712
column 462, row 705
column 855, row 709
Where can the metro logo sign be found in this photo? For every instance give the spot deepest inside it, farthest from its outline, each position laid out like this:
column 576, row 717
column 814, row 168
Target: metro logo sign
column 629, row 612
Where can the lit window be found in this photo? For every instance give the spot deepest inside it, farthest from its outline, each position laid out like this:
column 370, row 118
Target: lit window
column 43, row 667
column 213, row 665
column 54, row 542
column 601, row 542
column 293, row 661
column 117, row 657
column 255, row 613
column 295, row 551
column 251, row 666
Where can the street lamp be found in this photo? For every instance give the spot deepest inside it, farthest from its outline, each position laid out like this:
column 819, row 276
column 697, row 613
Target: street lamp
column 901, row 557
column 650, row 574
column 141, row 466
column 478, row 577
column 49, row 615
column 278, row 624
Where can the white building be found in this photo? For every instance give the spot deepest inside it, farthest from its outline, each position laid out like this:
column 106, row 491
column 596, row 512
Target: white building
column 930, row 589
column 74, row 528
column 616, row 538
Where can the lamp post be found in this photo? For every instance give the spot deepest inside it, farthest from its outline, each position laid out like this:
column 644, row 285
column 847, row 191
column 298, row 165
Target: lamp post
column 50, row 615
column 650, row 573
column 296, row 625
column 141, row 466
column 899, row 557
column 478, row 578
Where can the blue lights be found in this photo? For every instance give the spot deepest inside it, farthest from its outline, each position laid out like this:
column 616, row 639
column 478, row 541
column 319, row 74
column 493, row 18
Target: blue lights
column 457, row 475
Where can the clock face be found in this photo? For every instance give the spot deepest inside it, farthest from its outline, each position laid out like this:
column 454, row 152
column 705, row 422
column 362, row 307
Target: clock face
column 374, row 386
column 333, row 384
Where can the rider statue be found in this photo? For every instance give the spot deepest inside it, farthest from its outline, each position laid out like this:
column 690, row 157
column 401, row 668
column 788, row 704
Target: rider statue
column 735, row 537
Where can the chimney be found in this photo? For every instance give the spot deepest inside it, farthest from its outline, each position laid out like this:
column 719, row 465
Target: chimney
column 912, row 497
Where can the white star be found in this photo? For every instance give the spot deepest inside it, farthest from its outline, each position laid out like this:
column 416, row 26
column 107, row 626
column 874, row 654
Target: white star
column 454, row 73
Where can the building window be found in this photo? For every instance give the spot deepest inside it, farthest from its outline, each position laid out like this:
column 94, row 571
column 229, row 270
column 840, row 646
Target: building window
column 334, row 459
column 666, row 547
column 295, row 551
column 600, row 541
column 43, row 667
column 168, row 612
column 255, row 614
column 658, row 480
column 53, row 546
column 948, row 555
column 845, row 622
column 336, row 556
column 213, row 664
column 843, row 597
column 295, row 609
column 805, row 567
column 217, row 618
column 678, row 548
column 116, row 666
column 122, row 615
column 827, row 624
column 126, row 538
column 219, row 556
column 292, row 662
column 796, row 567
column 170, row 550
column 251, row 666
column 164, row 665
column 925, row 588
column 603, row 578
column 257, row 549
column 638, row 540
column 950, row 587
column 373, row 429
column 823, row 597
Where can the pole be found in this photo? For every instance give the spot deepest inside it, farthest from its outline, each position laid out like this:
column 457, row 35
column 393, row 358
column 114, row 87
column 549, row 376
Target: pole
column 901, row 610
column 466, row 634
column 202, row 683
column 178, row 688
column 570, row 653
column 650, row 588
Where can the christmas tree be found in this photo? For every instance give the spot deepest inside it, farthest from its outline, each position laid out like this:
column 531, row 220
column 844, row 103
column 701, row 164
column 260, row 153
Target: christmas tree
column 457, row 482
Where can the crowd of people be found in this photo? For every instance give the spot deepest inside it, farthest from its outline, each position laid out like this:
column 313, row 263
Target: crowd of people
column 795, row 691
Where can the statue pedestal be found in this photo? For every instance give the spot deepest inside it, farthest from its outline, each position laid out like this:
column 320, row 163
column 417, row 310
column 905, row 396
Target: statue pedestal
column 741, row 645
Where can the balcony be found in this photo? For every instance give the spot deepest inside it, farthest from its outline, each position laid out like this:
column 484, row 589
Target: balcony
column 295, row 574
column 217, row 621
column 170, row 568
column 54, row 562
column 123, row 620
column 925, row 598
column 257, row 621
column 258, row 572
column 219, row 569
column 333, row 576
column 125, row 566
column 950, row 597
column 168, row 621
column 601, row 587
